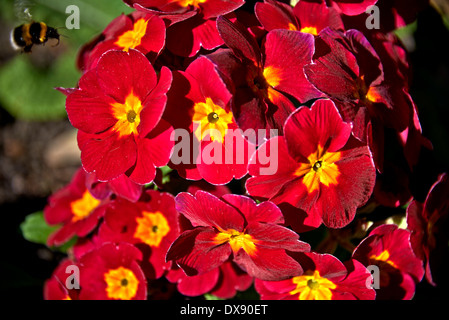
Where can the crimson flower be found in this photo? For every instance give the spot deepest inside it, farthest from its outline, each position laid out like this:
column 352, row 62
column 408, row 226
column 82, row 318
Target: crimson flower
column 324, row 278
column 151, row 224
column 122, row 187
column 222, row 282
column 138, row 30
column 199, row 104
column 75, row 208
column 262, row 79
column 388, row 247
column 348, row 70
column 234, row 226
column 191, row 23
column 322, row 169
column 117, row 109
column 308, row 17
column 112, row 272
column 429, row 225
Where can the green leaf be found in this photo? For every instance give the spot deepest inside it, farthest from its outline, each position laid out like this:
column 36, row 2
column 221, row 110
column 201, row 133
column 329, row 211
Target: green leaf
column 209, row 296
column 35, row 229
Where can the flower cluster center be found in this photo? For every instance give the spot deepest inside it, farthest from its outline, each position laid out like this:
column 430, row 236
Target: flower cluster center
column 127, row 115
column 121, row 283
column 313, row 287
column 321, row 169
column 133, row 38
column 237, row 240
column 210, row 119
column 84, row 206
column 151, row 228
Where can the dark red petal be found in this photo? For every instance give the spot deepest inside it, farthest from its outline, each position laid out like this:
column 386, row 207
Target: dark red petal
column 152, row 151
column 154, row 40
column 270, row 167
column 221, row 162
column 353, row 8
column 204, row 209
column 356, row 281
column 317, row 15
column 155, row 102
column 198, row 285
column 120, row 73
column 126, row 188
column 266, row 211
column 269, row 236
column 236, row 37
column 334, row 70
column 212, row 9
column 88, row 108
column 209, row 82
column 288, row 52
column 232, row 278
column 337, row 204
column 196, row 252
column 321, row 125
column 108, row 157
column 187, row 37
column 268, row 264
column 275, row 15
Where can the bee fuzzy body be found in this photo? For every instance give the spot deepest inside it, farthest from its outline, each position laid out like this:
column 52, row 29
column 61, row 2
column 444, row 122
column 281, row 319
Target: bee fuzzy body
column 34, row 33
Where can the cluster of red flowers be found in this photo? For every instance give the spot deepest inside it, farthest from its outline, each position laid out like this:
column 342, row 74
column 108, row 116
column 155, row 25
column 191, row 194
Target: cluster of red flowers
column 327, row 95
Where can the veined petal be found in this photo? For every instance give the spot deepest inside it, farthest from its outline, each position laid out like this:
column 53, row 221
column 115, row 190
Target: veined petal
column 108, row 157
column 207, row 210
column 197, row 252
column 288, row 52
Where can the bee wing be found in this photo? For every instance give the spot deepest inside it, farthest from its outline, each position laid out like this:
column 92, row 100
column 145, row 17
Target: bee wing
column 22, row 10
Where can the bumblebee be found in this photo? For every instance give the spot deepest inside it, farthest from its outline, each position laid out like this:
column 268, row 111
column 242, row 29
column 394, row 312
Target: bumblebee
column 34, row 33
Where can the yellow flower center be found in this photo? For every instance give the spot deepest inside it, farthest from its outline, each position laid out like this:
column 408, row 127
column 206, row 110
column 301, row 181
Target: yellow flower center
column 321, row 169
column 132, row 38
column 210, row 120
column 84, row 206
column 128, row 115
column 292, row 27
column 121, row 284
column 373, row 95
column 186, row 3
column 313, row 287
column 237, row 240
column 311, row 30
column 151, row 228
column 385, row 257
column 272, row 75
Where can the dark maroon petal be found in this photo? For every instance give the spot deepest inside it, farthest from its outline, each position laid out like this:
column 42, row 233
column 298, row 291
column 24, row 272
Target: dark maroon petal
column 204, row 209
column 236, row 37
column 288, row 52
column 196, row 251
column 268, row 264
column 275, row 15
